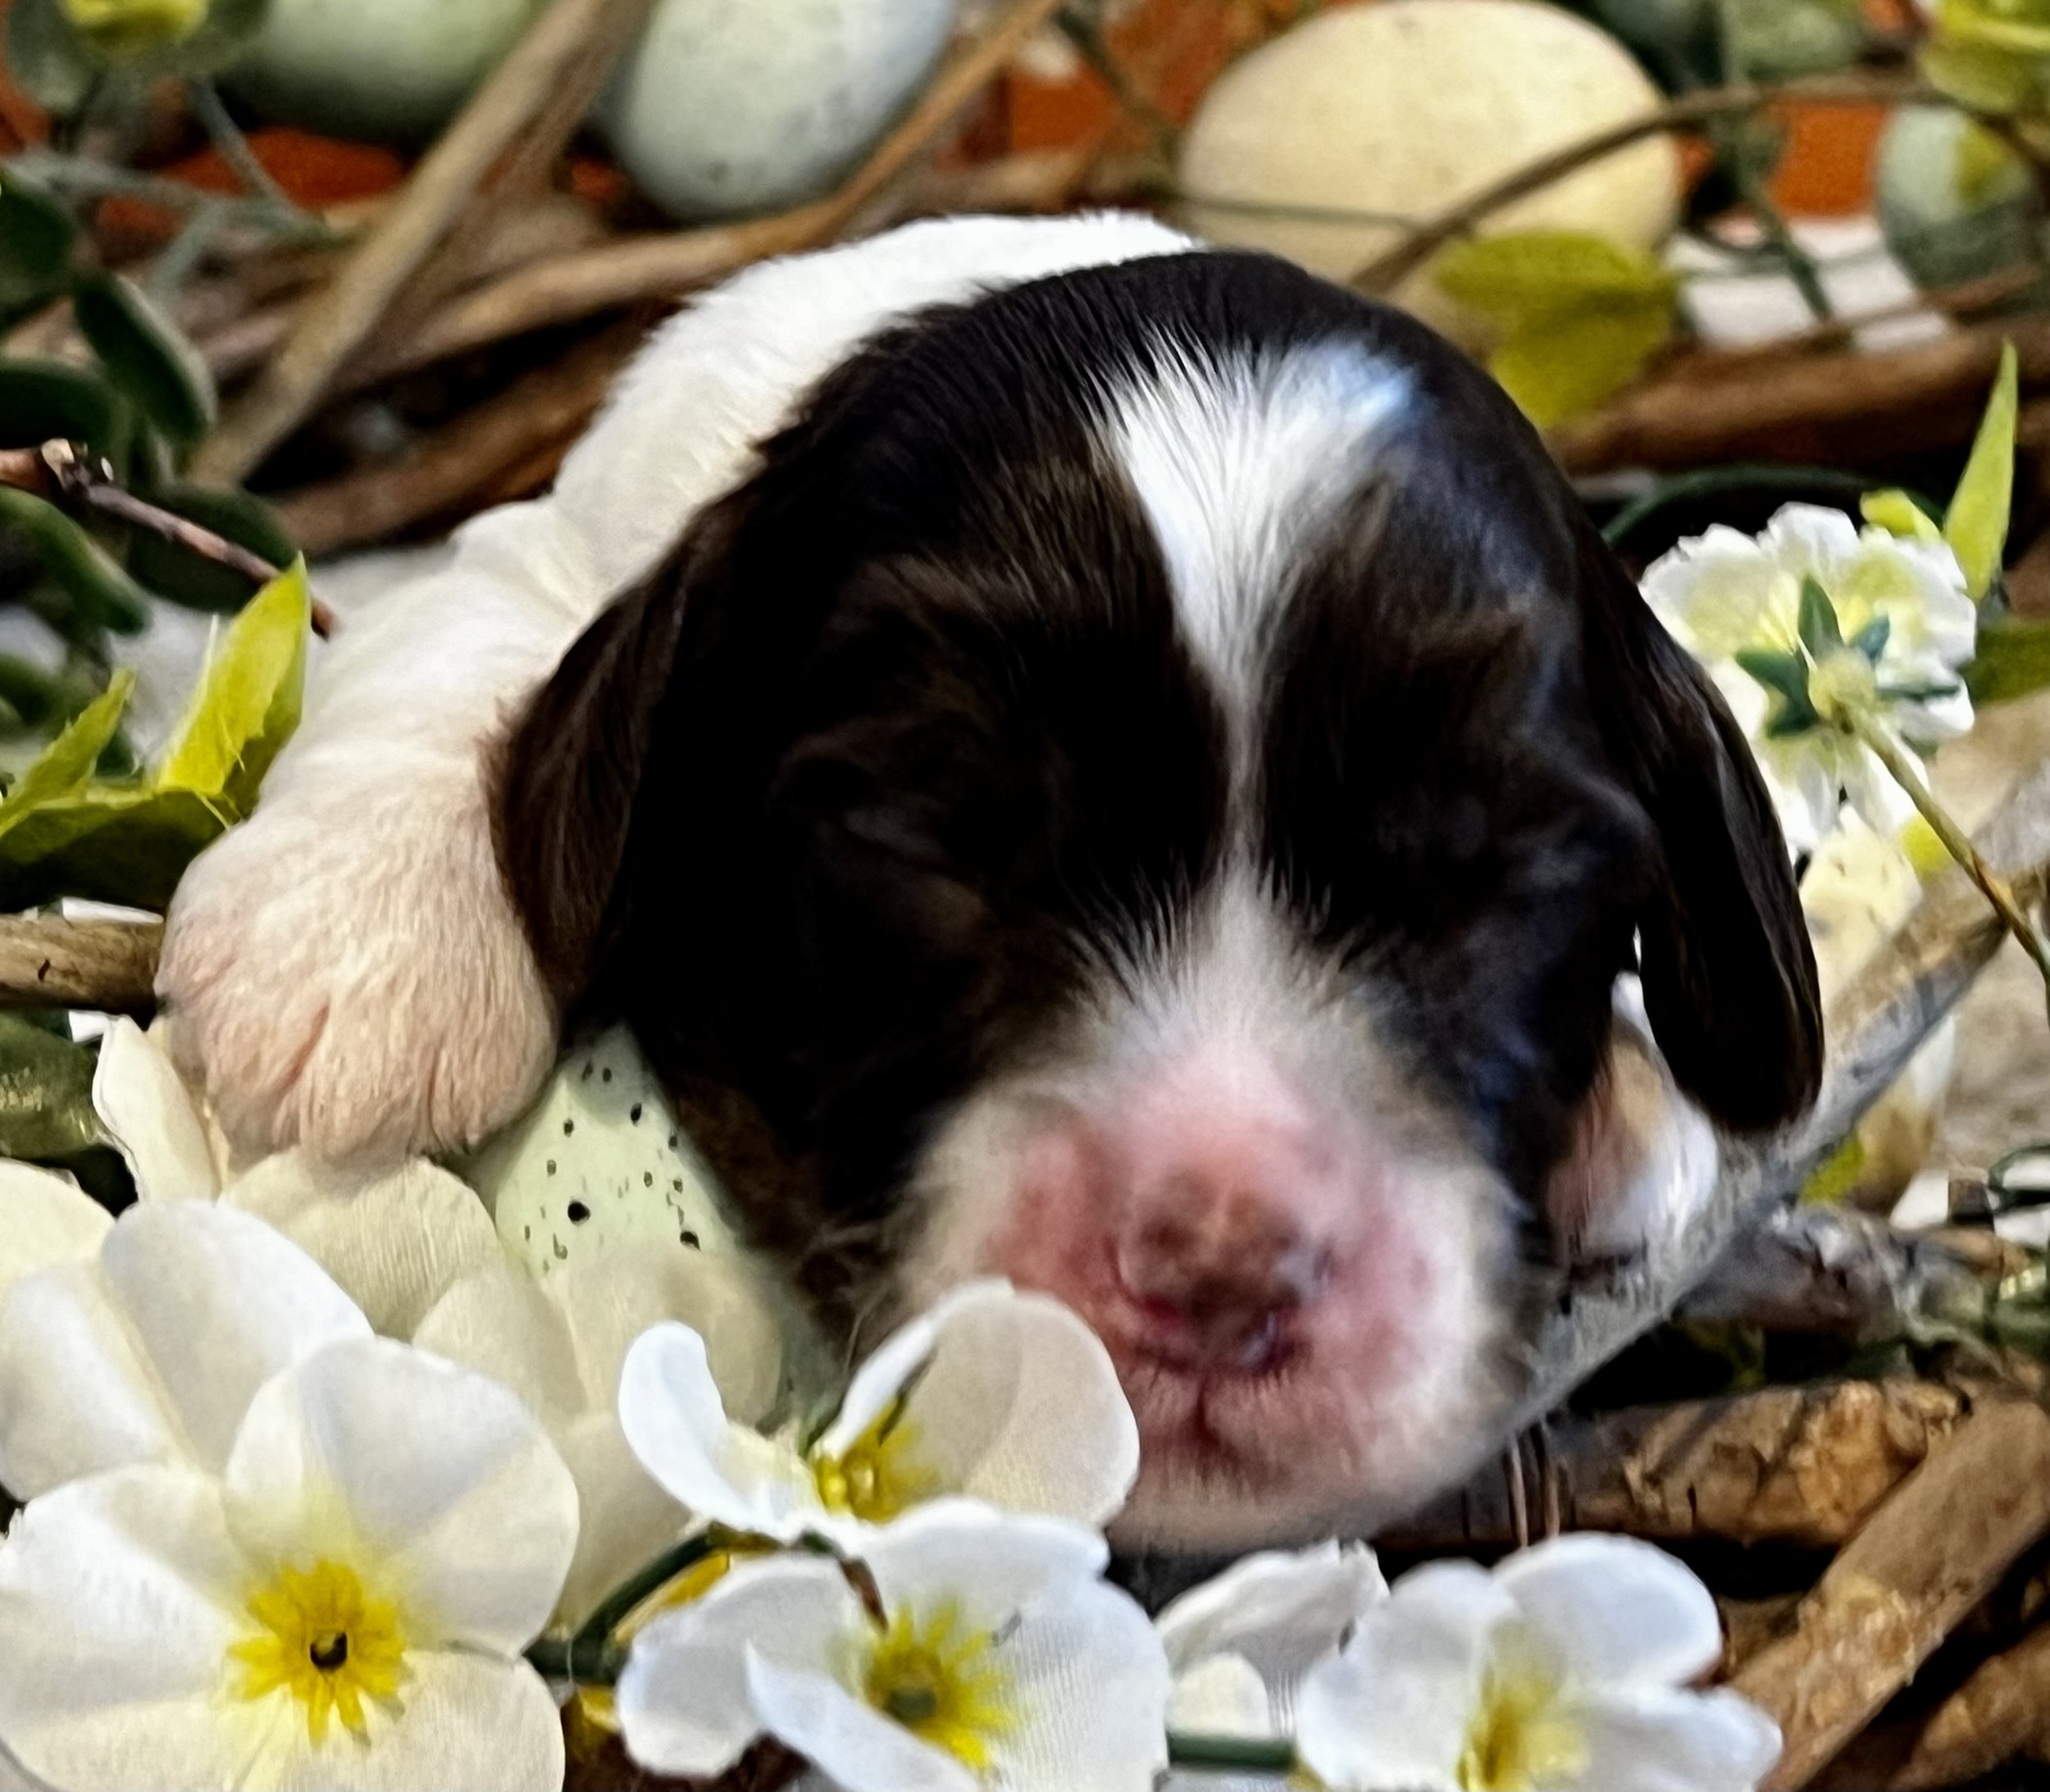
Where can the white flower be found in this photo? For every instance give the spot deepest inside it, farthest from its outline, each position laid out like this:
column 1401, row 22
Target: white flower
column 1726, row 593
column 995, row 1657
column 1240, row 1646
column 996, row 1394
column 45, row 1219
column 342, row 1607
column 1565, row 1668
column 559, row 1343
column 396, row 1242
column 151, row 1350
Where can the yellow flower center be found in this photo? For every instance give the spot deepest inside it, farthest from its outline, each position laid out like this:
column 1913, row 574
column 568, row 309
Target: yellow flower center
column 1843, row 686
column 878, row 1477
column 1518, row 1739
column 939, row 1680
column 323, row 1639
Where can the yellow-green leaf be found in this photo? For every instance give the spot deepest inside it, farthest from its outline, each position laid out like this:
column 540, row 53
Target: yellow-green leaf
column 1836, row 1176
column 1899, row 514
column 1539, row 277
column 1976, row 527
column 2022, row 27
column 1561, row 367
column 247, row 703
column 2013, row 659
column 63, row 833
column 1979, row 76
column 67, row 761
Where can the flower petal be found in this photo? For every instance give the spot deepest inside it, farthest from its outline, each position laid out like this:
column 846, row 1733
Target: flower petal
column 683, row 1700
column 625, row 1518
column 1222, row 1695
column 855, row 1745
column 1091, row 1686
column 1614, row 1610
column 900, row 1355
column 155, row 1351
column 1279, row 1613
column 670, row 1412
column 1391, row 1713
column 151, row 1116
column 120, row 1598
column 396, row 1245
column 610, row 1298
column 994, row 1563
column 467, row 1724
column 427, row 1476
column 1018, row 1404
column 45, row 1219
column 499, row 1321
column 1648, row 1739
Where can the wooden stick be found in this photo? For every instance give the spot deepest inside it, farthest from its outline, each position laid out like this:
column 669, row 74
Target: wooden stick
column 1689, row 112
column 1800, row 1466
column 337, row 323
column 565, row 288
column 543, row 410
column 98, row 964
column 1823, row 409
column 1930, row 1553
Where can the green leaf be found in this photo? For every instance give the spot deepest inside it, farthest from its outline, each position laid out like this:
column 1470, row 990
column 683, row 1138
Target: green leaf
column 1579, row 316
column 68, row 761
column 1837, row 1176
column 64, row 833
column 1785, row 675
column 46, row 1093
column 1976, row 526
column 147, row 359
column 2013, row 660
column 86, row 573
column 49, row 56
column 1871, row 640
column 1898, row 513
column 1820, row 632
column 42, row 401
column 1920, row 693
column 1981, row 77
column 36, row 234
column 192, row 580
column 231, row 26
column 248, row 700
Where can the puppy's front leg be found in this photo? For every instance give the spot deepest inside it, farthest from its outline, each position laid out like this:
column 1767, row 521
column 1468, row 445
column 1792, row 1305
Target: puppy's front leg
column 345, row 971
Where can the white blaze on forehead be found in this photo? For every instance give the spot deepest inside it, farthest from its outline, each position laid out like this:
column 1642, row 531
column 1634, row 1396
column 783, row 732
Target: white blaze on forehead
column 1239, row 461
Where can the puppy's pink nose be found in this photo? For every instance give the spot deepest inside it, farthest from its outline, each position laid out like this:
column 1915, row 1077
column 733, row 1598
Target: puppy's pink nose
column 1219, row 1258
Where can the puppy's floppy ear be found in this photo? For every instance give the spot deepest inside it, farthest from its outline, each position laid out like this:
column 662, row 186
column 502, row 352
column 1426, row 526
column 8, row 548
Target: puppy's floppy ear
column 571, row 769
column 1729, row 975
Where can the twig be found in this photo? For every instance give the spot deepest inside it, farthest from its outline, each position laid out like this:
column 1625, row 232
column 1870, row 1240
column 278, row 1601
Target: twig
column 565, row 288
column 1800, row 1466
column 336, row 323
column 1690, row 111
column 68, row 472
column 109, row 965
column 1930, row 1553
column 543, row 410
column 234, row 148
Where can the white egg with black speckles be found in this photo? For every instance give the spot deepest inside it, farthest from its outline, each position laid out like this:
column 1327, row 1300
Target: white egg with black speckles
column 598, row 1161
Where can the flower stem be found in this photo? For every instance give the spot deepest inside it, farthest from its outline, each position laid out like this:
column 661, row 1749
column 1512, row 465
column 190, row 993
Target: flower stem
column 233, row 147
column 1230, row 1754
column 1957, row 842
column 592, row 1658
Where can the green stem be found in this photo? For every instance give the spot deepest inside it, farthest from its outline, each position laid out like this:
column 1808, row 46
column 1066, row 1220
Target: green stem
column 1230, row 1754
column 1085, row 35
column 593, row 1657
column 1996, row 888
column 233, row 147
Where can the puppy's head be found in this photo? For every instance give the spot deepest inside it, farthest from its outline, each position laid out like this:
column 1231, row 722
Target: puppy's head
column 1149, row 789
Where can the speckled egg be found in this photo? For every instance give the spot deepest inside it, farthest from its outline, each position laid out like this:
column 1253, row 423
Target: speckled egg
column 732, row 106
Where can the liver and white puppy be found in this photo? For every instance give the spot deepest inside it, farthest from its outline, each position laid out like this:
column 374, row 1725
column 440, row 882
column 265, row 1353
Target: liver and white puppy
column 1134, row 764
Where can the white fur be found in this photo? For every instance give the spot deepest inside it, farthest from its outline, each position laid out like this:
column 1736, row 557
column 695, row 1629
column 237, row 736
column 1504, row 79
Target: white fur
column 1239, row 464
column 348, row 970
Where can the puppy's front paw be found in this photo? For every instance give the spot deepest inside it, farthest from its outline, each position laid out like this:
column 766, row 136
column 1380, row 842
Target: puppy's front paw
column 350, row 977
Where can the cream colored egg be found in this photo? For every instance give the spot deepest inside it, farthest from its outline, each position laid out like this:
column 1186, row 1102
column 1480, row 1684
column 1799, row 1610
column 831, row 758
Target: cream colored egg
column 732, row 106
column 1403, row 109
